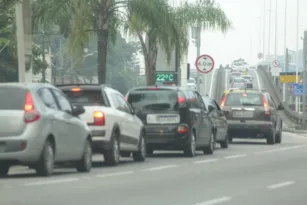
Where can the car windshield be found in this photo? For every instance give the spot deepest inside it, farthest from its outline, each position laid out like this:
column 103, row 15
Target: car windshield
column 244, row 99
column 85, row 97
column 154, row 99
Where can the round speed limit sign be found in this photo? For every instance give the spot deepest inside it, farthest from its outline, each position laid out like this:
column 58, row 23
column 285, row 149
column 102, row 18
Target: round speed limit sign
column 204, row 63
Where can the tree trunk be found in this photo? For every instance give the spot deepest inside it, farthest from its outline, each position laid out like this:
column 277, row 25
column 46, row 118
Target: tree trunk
column 102, row 40
column 152, row 59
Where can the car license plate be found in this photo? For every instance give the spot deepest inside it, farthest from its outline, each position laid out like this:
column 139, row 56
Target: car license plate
column 163, row 119
column 243, row 114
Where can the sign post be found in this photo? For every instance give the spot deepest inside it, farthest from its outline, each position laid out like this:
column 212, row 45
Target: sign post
column 275, row 63
column 204, row 65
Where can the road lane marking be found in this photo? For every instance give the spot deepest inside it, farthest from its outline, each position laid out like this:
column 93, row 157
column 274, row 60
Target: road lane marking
column 114, row 174
column 160, row 168
column 280, row 149
column 206, row 161
column 47, row 182
column 215, row 201
column 258, row 80
column 211, row 83
column 235, row 156
column 280, row 185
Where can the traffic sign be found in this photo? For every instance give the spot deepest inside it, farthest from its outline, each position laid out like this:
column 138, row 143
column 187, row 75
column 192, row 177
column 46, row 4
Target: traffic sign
column 260, row 55
column 204, row 63
column 275, row 63
column 297, row 89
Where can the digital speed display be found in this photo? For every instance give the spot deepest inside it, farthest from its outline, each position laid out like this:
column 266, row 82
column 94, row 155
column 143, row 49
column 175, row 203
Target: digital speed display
column 166, row 77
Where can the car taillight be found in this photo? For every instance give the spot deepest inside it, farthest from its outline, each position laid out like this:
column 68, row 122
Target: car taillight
column 126, row 98
column 30, row 114
column 223, row 102
column 266, row 106
column 182, row 129
column 181, row 100
column 99, row 118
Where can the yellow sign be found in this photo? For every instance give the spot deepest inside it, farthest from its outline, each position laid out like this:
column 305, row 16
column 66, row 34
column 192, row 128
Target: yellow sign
column 289, row 78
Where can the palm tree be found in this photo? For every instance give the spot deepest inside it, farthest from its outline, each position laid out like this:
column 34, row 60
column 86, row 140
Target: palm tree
column 168, row 27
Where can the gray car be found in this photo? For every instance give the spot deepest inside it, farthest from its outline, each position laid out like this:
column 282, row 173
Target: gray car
column 40, row 128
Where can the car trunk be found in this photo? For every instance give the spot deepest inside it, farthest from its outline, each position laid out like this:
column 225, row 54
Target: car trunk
column 12, row 100
column 245, row 113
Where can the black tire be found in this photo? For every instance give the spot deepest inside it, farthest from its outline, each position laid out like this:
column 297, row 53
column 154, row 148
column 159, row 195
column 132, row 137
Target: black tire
column 271, row 138
column 224, row 144
column 45, row 164
column 278, row 137
column 112, row 156
column 4, row 169
column 190, row 149
column 85, row 163
column 209, row 149
column 140, row 155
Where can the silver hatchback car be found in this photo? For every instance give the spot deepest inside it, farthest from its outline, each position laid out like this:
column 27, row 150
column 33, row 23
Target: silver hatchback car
column 40, row 128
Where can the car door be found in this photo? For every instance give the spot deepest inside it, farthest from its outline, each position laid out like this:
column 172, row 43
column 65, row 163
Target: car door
column 214, row 114
column 74, row 134
column 275, row 113
column 132, row 126
column 57, row 123
column 221, row 121
column 206, row 124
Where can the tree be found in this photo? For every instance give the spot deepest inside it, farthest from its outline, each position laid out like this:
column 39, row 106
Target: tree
column 168, row 27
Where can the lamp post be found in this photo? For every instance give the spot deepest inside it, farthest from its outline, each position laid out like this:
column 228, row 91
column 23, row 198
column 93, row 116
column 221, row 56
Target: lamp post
column 296, row 55
column 285, row 52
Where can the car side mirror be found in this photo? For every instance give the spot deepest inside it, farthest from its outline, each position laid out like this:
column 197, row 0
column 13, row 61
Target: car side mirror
column 78, row 110
column 280, row 107
column 225, row 112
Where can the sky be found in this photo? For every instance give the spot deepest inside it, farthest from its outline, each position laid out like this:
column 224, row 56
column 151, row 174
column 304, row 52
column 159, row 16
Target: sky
column 245, row 38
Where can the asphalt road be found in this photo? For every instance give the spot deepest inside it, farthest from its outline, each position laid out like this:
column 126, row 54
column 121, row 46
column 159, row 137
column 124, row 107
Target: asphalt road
column 249, row 172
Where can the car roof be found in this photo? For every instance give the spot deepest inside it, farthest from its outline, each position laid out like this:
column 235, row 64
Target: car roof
column 30, row 86
column 247, row 91
column 143, row 88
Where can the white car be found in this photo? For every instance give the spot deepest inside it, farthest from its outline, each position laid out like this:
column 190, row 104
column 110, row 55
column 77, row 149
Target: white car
column 116, row 130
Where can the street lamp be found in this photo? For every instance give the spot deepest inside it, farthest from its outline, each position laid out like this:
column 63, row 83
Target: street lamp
column 196, row 36
column 297, row 57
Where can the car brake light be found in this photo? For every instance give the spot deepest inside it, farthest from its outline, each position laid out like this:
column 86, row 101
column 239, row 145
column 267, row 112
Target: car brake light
column 126, row 98
column 266, row 106
column 181, row 100
column 182, row 129
column 99, row 118
column 223, row 101
column 30, row 114
column 153, row 88
column 76, row 89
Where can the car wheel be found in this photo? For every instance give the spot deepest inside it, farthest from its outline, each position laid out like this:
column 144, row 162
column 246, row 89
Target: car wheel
column 85, row 164
column 4, row 169
column 45, row 164
column 112, row 156
column 209, row 149
column 224, row 144
column 278, row 137
column 140, row 155
column 190, row 150
column 271, row 138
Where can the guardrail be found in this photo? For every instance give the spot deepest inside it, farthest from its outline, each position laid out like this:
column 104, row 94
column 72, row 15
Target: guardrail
column 275, row 92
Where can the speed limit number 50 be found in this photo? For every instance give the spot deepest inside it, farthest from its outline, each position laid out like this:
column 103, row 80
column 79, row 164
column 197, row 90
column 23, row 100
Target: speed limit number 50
column 204, row 64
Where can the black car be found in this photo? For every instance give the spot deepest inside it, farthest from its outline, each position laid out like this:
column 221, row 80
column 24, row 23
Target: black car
column 175, row 118
column 218, row 117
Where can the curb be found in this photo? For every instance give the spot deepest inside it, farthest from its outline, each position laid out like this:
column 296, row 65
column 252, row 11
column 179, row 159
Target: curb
column 294, row 131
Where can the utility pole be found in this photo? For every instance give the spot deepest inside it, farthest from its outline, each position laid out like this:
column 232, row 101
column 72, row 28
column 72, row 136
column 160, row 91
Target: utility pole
column 264, row 12
column 304, row 77
column 296, row 55
column 269, row 37
column 286, row 53
column 198, row 44
column 44, row 60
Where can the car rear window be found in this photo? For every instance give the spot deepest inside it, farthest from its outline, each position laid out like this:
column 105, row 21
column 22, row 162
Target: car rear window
column 154, row 99
column 244, row 99
column 12, row 98
column 85, row 97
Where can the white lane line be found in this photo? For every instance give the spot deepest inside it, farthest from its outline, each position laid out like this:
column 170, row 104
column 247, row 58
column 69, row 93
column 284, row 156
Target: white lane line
column 215, row 201
column 211, row 83
column 235, row 156
column 160, row 168
column 226, row 79
column 258, row 80
column 206, row 161
column 280, row 149
column 114, row 174
column 47, row 182
column 280, row 185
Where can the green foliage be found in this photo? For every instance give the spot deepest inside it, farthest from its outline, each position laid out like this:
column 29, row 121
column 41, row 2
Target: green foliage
column 8, row 49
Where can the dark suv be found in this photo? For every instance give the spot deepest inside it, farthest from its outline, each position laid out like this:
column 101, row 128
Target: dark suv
column 175, row 119
column 252, row 114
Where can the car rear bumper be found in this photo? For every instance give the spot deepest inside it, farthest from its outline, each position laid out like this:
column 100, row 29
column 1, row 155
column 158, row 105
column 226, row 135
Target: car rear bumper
column 250, row 129
column 165, row 137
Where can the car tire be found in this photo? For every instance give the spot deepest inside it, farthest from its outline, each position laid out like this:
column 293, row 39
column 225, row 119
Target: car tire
column 209, row 149
column 190, row 150
column 224, row 144
column 4, row 169
column 278, row 137
column 85, row 163
column 271, row 138
column 112, row 156
column 140, row 155
column 45, row 164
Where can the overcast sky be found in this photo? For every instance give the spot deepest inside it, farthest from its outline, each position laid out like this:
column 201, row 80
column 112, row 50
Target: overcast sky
column 243, row 39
